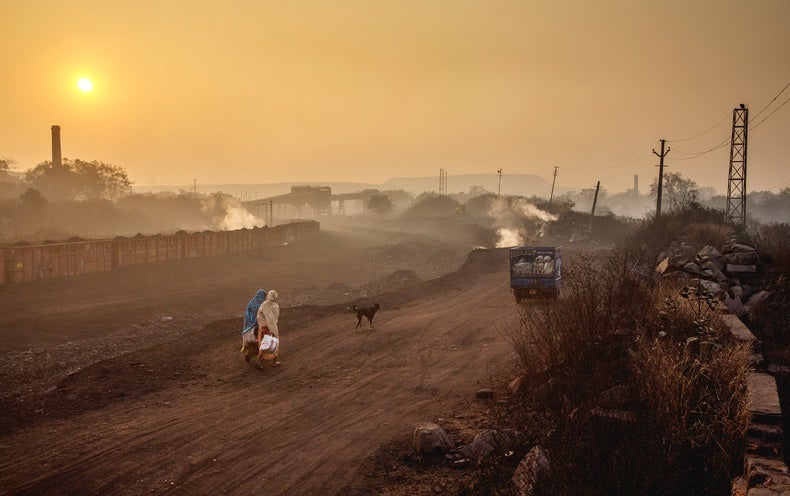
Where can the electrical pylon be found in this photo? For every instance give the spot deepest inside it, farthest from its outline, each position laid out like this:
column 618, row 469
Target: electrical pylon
column 736, row 182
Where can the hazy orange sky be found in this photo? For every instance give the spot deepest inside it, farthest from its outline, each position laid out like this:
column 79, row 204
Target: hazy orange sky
column 254, row 91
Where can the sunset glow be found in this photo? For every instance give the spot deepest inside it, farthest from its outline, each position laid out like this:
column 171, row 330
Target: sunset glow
column 367, row 91
column 85, row 85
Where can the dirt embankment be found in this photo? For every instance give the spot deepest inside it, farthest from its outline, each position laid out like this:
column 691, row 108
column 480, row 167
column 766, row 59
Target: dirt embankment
column 132, row 383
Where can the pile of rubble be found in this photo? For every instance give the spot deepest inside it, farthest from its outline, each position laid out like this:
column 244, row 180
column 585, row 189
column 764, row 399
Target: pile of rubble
column 724, row 274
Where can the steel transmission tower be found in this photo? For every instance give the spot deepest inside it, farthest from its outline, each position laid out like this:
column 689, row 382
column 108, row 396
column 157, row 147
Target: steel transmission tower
column 442, row 181
column 736, row 183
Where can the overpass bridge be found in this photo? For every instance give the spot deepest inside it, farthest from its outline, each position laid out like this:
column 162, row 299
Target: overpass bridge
column 309, row 202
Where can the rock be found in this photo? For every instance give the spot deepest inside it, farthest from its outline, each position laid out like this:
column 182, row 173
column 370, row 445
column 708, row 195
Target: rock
column 734, row 305
column 662, row 266
column 534, row 466
column 709, row 287
column 484, row 394
column 740, row 487
column 691, row 268
column 756, row 300
column 431, row 439
column 483, row 445
column 742, row 258
column 713, row 272
column 712, row 255
column 737, row 248
column 515, row 386
column 741, row 269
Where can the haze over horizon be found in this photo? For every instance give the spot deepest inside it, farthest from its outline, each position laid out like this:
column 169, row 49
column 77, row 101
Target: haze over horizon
column 333, row 91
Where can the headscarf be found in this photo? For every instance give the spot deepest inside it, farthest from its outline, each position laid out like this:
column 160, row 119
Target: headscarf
column 270, row 312
column 251, row 313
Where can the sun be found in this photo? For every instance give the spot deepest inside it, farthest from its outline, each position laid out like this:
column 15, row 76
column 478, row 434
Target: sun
column 85, row 85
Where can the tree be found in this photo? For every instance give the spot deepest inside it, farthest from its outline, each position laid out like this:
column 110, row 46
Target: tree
column 32, row 198
column 79, row 180
column 381, row 204
column 5, row 167
column 680, row 193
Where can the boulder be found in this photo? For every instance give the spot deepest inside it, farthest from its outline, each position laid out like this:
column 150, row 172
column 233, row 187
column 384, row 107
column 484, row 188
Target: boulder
column 736, row 248
column 533, row 467
column 756, row 300
column 710, row 287
column 483, row 445
column 691, row 268
column 662, row 266
column 713, row 272
column 431, row 439
column 711, row 254
column 741, row 269
column 734, row 305
column 742, row 258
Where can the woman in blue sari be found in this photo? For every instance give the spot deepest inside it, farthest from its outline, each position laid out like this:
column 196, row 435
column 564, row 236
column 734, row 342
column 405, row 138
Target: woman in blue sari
column 249, row 339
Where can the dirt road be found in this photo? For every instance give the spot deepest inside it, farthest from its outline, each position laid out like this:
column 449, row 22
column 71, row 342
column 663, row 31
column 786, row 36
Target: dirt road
column 174, row 409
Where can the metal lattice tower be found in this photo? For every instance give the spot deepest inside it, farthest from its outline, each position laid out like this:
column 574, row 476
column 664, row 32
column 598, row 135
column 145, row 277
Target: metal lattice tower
column 736, row 184
column 442, row 182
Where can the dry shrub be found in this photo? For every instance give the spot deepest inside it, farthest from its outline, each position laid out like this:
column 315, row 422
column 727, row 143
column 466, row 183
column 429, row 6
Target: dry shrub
column 695, row 412
column 772, row 241
column 699, row 226
column 633, row 390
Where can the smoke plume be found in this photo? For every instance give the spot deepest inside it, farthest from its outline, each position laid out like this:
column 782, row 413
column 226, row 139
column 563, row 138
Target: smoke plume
column 227, row 213
column 517, row 221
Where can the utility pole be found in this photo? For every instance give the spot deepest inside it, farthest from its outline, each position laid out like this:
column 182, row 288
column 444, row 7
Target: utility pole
column 595, row 201
column 551, row 197
column 660, row 175
column 499, row 188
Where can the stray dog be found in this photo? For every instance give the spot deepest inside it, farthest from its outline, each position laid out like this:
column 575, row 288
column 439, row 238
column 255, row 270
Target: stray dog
column 368, row 312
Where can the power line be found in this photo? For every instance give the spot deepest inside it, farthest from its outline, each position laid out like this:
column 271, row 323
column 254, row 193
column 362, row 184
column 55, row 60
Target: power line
column 772, row 101
column 702, row 133
column 772, row 113
column 699, row 154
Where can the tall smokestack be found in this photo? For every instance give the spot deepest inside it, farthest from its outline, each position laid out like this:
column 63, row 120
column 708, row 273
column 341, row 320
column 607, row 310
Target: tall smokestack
column 636, row 183
column 56, row 157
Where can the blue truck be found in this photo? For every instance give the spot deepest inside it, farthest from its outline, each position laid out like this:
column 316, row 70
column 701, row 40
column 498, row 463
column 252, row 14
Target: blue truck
column 535, row 272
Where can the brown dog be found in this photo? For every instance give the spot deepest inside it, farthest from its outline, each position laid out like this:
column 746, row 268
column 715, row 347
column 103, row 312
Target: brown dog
column 368, row 312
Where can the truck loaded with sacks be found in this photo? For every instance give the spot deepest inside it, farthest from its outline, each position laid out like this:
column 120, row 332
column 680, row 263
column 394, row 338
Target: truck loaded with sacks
column 535, row 272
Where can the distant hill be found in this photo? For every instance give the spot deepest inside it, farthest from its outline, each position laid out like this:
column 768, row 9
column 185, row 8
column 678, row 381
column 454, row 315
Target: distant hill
column 512, row 184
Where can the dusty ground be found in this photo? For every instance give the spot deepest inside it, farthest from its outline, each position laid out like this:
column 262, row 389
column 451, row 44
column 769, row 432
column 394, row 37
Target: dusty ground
column 132, row 382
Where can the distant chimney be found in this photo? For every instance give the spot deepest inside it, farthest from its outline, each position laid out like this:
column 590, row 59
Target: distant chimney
column 56, row 157
column 636, row 183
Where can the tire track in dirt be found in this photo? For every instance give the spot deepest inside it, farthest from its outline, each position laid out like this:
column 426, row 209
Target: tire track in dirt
column 297, row 429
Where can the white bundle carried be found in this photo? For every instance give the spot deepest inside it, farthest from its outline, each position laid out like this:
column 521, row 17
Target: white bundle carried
column 269, row 343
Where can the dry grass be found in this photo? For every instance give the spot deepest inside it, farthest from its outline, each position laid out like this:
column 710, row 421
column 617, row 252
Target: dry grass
column 616, row 342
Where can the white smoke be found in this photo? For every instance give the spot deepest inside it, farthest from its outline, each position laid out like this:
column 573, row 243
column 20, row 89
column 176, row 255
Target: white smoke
column 511, row 216
column 239, row 218
column 228, row 213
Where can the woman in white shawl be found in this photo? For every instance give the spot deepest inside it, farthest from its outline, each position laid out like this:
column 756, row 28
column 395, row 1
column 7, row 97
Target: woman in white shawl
column 268, row 315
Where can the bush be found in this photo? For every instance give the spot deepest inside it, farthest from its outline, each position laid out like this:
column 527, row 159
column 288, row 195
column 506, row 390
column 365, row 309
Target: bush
column 633, row 389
